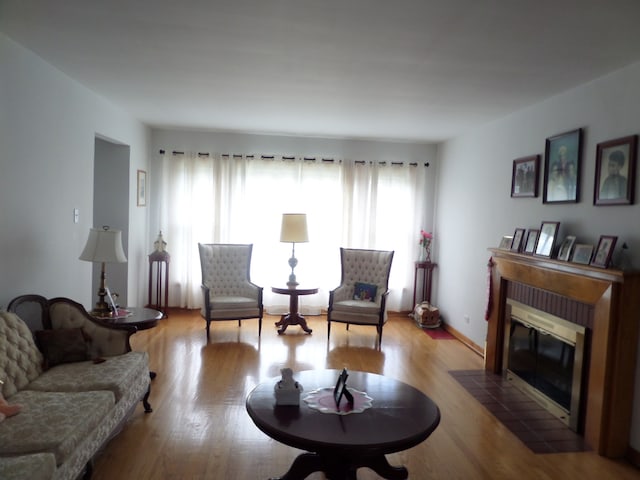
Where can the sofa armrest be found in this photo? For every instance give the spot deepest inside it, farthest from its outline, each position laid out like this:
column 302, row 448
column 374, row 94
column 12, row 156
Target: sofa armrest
column 106, row 339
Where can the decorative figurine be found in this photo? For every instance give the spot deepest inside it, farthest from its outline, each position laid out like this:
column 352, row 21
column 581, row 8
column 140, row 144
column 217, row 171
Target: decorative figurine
column 287, row 390
column 160, row 245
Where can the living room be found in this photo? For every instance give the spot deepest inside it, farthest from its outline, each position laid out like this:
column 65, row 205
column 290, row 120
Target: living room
column 50, row 121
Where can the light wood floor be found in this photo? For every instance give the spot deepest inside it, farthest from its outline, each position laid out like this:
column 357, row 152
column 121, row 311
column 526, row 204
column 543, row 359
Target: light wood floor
column 199, row 428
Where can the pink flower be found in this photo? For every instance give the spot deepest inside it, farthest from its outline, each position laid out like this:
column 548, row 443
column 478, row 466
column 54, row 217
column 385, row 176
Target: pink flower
column 425, row 238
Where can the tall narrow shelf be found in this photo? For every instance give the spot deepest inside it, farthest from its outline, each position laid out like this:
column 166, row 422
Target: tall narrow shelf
column 159, row 282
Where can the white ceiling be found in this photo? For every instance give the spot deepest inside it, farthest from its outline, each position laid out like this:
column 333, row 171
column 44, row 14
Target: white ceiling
column 406, row 70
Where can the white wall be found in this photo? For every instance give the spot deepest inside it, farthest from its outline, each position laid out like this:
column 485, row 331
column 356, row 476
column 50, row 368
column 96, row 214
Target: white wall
column 48, row 123
column 475, row 208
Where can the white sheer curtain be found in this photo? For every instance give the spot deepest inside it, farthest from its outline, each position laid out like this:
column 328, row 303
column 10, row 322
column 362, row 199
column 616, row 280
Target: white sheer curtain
column 240, row 199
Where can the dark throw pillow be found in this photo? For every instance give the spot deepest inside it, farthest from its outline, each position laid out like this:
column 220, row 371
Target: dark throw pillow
column 365, row 291
column 63, row 345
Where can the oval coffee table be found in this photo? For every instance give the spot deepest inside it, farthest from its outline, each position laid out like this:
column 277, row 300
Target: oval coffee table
column 400, row 417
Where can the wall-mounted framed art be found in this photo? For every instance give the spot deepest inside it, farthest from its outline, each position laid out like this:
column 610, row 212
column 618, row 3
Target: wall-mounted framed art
column 530, row 242
column 547, row 239
column 142, row 188
column 582, row 253
column 566, row 248
column 524, row 176
column 516, row 243
column 562, row 156
column 604, row 250
column 615, row 171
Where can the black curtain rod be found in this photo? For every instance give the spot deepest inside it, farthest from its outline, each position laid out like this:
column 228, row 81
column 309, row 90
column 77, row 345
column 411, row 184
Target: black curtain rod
column 292, row 158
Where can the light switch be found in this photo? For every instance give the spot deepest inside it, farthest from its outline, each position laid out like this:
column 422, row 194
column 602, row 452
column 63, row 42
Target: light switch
column 76, row 215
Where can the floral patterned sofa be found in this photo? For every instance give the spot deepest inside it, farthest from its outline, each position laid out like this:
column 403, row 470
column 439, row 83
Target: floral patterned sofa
column 77, row 381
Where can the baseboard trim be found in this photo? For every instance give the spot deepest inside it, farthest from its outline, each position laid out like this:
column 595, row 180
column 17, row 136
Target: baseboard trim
column 459, row 336
column 464, row 339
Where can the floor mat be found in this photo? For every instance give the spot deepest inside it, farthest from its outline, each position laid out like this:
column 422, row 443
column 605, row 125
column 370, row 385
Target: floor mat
column 540, row 431
column 438, row 333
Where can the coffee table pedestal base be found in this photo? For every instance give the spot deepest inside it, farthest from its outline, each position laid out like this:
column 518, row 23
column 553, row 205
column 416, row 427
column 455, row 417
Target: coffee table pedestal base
column 339, row 467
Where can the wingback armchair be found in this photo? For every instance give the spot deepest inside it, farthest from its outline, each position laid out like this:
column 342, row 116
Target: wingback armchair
column 361, row 297
column 226, row 284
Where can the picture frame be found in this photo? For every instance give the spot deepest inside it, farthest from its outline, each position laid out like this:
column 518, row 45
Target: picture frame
column 604, row 251
column 562, row 158
column 340, row 389
column 530, row 242
column 524, row 177
column 566, row 248
column 142, row 188
column 614, row 182
column 547, row 239
column 582, row 253
column 516, row 243
column 505, row 243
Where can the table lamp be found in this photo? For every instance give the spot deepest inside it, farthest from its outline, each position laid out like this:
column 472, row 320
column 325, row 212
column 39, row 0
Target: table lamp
column 294, row 230
column 104, row 245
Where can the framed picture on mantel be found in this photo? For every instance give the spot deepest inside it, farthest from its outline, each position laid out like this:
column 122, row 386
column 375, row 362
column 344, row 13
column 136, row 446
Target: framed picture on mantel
column 547, row 239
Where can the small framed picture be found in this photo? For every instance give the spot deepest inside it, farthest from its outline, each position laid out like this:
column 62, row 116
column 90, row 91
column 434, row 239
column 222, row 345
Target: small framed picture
column 142, row 188
column 505, row 243
column 566, row 248
column 518, row 237
column 562, row 167
column 582, row 253
column 615, row 171
column 524, row 177
column 530, row 242
column 547, row 239
column 604, row 250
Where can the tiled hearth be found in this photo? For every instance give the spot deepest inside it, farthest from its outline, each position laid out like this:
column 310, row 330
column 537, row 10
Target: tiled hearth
column 540, row 431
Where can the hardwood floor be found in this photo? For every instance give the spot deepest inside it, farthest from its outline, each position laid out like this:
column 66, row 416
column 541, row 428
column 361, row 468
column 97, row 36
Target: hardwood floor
column 199, row 428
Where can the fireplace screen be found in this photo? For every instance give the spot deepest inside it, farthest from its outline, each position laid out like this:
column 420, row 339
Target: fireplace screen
column 544, row 357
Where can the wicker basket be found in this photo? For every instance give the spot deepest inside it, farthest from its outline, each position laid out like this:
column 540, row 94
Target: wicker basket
column 426, row 315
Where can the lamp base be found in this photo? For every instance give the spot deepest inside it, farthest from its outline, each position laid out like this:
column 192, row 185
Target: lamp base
column 292, row 281
column 101, row 310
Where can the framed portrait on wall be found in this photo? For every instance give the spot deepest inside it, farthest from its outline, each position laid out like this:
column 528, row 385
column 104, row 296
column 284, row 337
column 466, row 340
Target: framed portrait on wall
column 524, row 176
column 615, row 171
column 142, row 188
column 562, row 157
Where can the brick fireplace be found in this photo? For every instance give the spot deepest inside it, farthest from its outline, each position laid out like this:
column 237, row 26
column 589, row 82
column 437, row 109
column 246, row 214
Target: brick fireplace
column 607, row 302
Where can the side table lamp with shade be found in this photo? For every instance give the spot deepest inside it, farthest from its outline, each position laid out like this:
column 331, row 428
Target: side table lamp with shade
column 294, row 230
column 104, row 245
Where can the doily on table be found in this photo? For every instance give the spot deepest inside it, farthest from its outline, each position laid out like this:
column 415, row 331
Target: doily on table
column 322, row 400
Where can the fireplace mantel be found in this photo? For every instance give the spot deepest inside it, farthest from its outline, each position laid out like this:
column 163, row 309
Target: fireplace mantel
column 615, row 298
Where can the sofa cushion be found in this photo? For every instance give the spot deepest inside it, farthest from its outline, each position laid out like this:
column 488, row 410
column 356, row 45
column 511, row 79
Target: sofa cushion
column 20, row 359
column 64, row 345
column 116, row 374
column 53, row 422
column 37, row 466
column 364, row 291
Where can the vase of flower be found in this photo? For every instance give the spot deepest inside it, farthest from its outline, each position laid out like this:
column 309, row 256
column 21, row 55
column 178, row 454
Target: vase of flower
column 425, row 243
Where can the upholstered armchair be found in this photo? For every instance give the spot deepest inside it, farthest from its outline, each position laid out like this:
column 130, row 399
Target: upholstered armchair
column 361, row 297
column 226, row 285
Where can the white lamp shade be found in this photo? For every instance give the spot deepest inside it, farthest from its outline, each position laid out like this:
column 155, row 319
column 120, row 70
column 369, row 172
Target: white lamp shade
column 104, row 245
column 294, row 228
